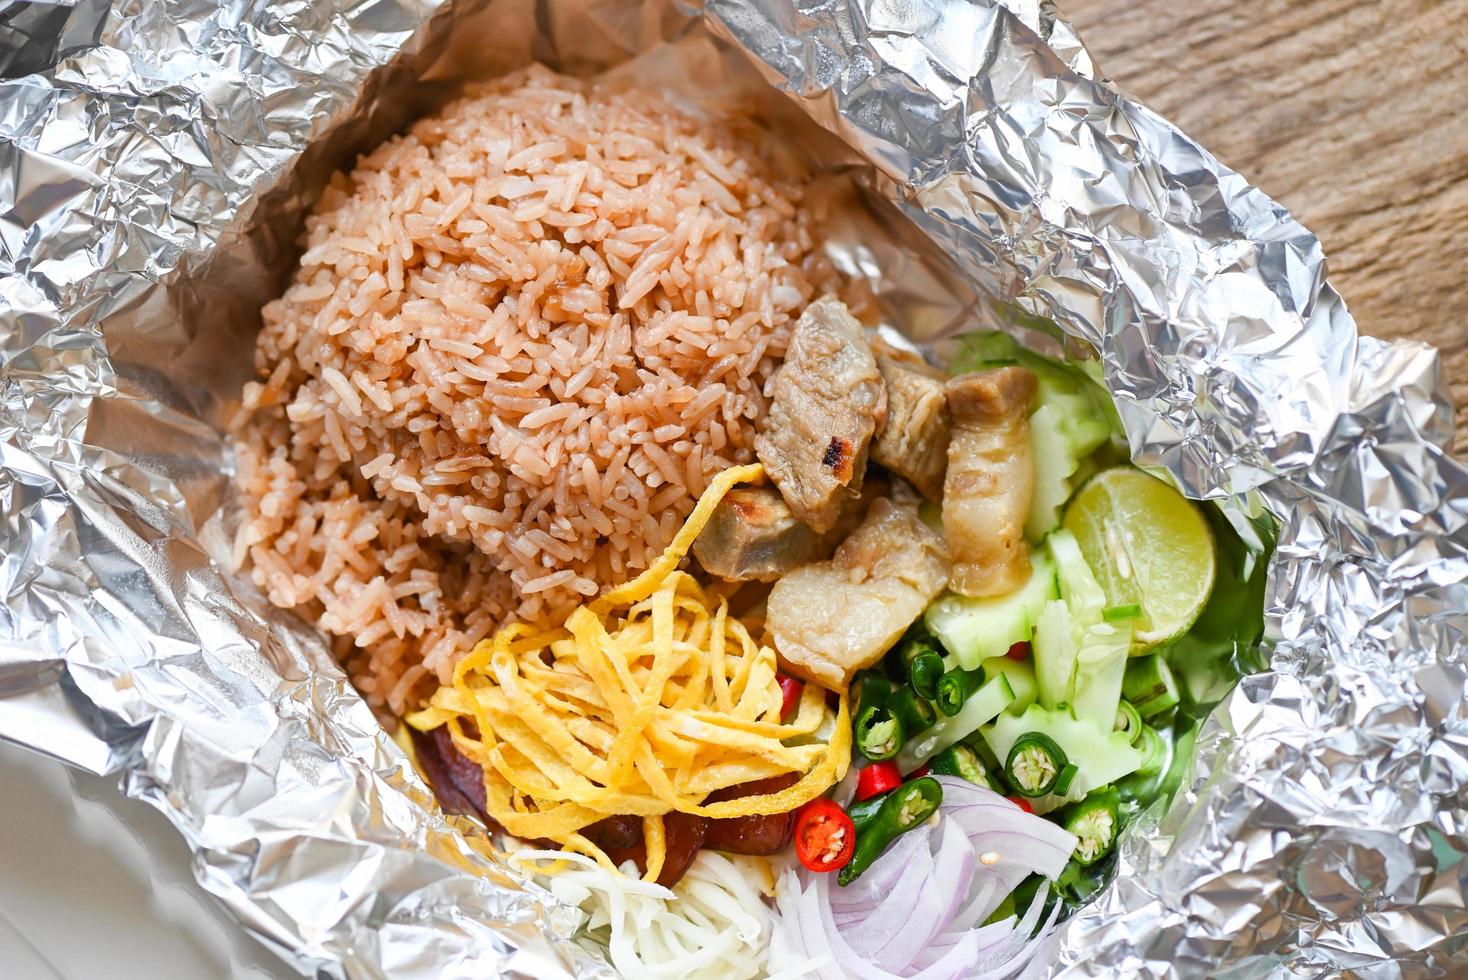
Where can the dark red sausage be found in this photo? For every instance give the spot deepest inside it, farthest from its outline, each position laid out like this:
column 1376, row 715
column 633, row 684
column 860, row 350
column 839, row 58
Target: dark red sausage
column 457, row 781
column 684, row 834
column 752, row 835
column 615, row 832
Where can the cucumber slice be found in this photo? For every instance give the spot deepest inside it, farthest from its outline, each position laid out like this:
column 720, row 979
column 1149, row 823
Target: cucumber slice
column 1055, row 463
column 1099, row 757
column 980, row 708
column 1055, row 655
column 1078, row 586
column 973, row 630
column 1082, row 425
column 1100, row 667
column 1021, row 680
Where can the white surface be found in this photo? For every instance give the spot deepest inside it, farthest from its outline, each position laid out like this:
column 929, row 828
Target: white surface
column 97, row 887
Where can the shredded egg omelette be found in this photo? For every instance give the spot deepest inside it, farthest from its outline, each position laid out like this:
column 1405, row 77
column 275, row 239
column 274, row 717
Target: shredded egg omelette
column 643, row 702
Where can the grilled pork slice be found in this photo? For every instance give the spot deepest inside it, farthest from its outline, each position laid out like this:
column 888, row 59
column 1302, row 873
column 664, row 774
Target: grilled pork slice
column 832, row 618
column 828, row 399
column 914, row 442
column 754, row 536
column 990, row 480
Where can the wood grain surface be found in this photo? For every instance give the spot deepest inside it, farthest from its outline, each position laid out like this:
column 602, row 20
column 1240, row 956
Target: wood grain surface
column 1351, row 113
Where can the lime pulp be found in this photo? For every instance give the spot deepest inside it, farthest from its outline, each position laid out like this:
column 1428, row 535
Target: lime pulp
column 1147, row 545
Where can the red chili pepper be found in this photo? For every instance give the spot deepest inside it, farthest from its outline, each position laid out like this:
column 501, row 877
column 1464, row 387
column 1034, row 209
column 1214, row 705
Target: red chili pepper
column 1021, row 802
column 877, row 778
column 920, row 772
column 824, row 835
column 790, row 689
column 1020, row 651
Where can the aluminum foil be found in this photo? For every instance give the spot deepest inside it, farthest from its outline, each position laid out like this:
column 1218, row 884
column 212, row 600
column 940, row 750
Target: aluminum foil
column 154, row 167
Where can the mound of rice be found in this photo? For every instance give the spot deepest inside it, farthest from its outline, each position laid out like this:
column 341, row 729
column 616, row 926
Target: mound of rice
column 521, row 340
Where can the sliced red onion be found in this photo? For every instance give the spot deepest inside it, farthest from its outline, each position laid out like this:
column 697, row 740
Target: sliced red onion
column 985, row 892
column 998, row 827
column 876, row 883
column 947, row 890
column 953, row 870
column 815, row 912
column 888, row 930
column 905, row 930
column 913, row 914
column 957, row 962
column 845, row 791
column 1024, row 954
column 953, row 967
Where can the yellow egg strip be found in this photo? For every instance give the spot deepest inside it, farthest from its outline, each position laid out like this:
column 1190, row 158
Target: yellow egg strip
column 646, row 701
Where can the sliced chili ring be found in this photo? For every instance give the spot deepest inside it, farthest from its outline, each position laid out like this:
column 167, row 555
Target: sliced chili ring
column 876, row 779
column 824, row 836
column 1037, row 766
column 790, row 691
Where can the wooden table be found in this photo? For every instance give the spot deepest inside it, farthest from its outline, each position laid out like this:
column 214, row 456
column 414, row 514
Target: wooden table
column 1351, row 113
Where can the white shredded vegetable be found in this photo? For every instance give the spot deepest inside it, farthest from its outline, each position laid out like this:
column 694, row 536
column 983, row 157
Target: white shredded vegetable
column 713, row 925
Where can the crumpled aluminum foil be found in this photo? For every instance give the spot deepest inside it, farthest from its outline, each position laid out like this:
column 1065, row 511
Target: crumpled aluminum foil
column 154, row 169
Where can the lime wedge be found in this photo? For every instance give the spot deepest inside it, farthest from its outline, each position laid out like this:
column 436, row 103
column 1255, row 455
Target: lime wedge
column 1149, row 546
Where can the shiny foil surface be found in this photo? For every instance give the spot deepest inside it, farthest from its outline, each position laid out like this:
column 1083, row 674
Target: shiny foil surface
column 156, row 159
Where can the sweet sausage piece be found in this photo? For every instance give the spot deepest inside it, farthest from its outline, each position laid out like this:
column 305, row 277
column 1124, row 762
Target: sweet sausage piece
column 611, row 833
column 457, row 781
column 756, row 834
column 684, row 834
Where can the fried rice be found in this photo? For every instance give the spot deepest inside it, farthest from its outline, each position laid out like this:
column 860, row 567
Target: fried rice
column 521, row 339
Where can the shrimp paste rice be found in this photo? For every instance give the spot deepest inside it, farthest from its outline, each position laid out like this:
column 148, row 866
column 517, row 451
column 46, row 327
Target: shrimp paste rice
column 521, row 340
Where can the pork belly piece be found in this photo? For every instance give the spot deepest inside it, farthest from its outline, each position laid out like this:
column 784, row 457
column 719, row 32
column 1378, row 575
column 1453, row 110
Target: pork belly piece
column 830, row 619
column 754, row 536
column 828, row 400
column 990, row 480
column 914, row 442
